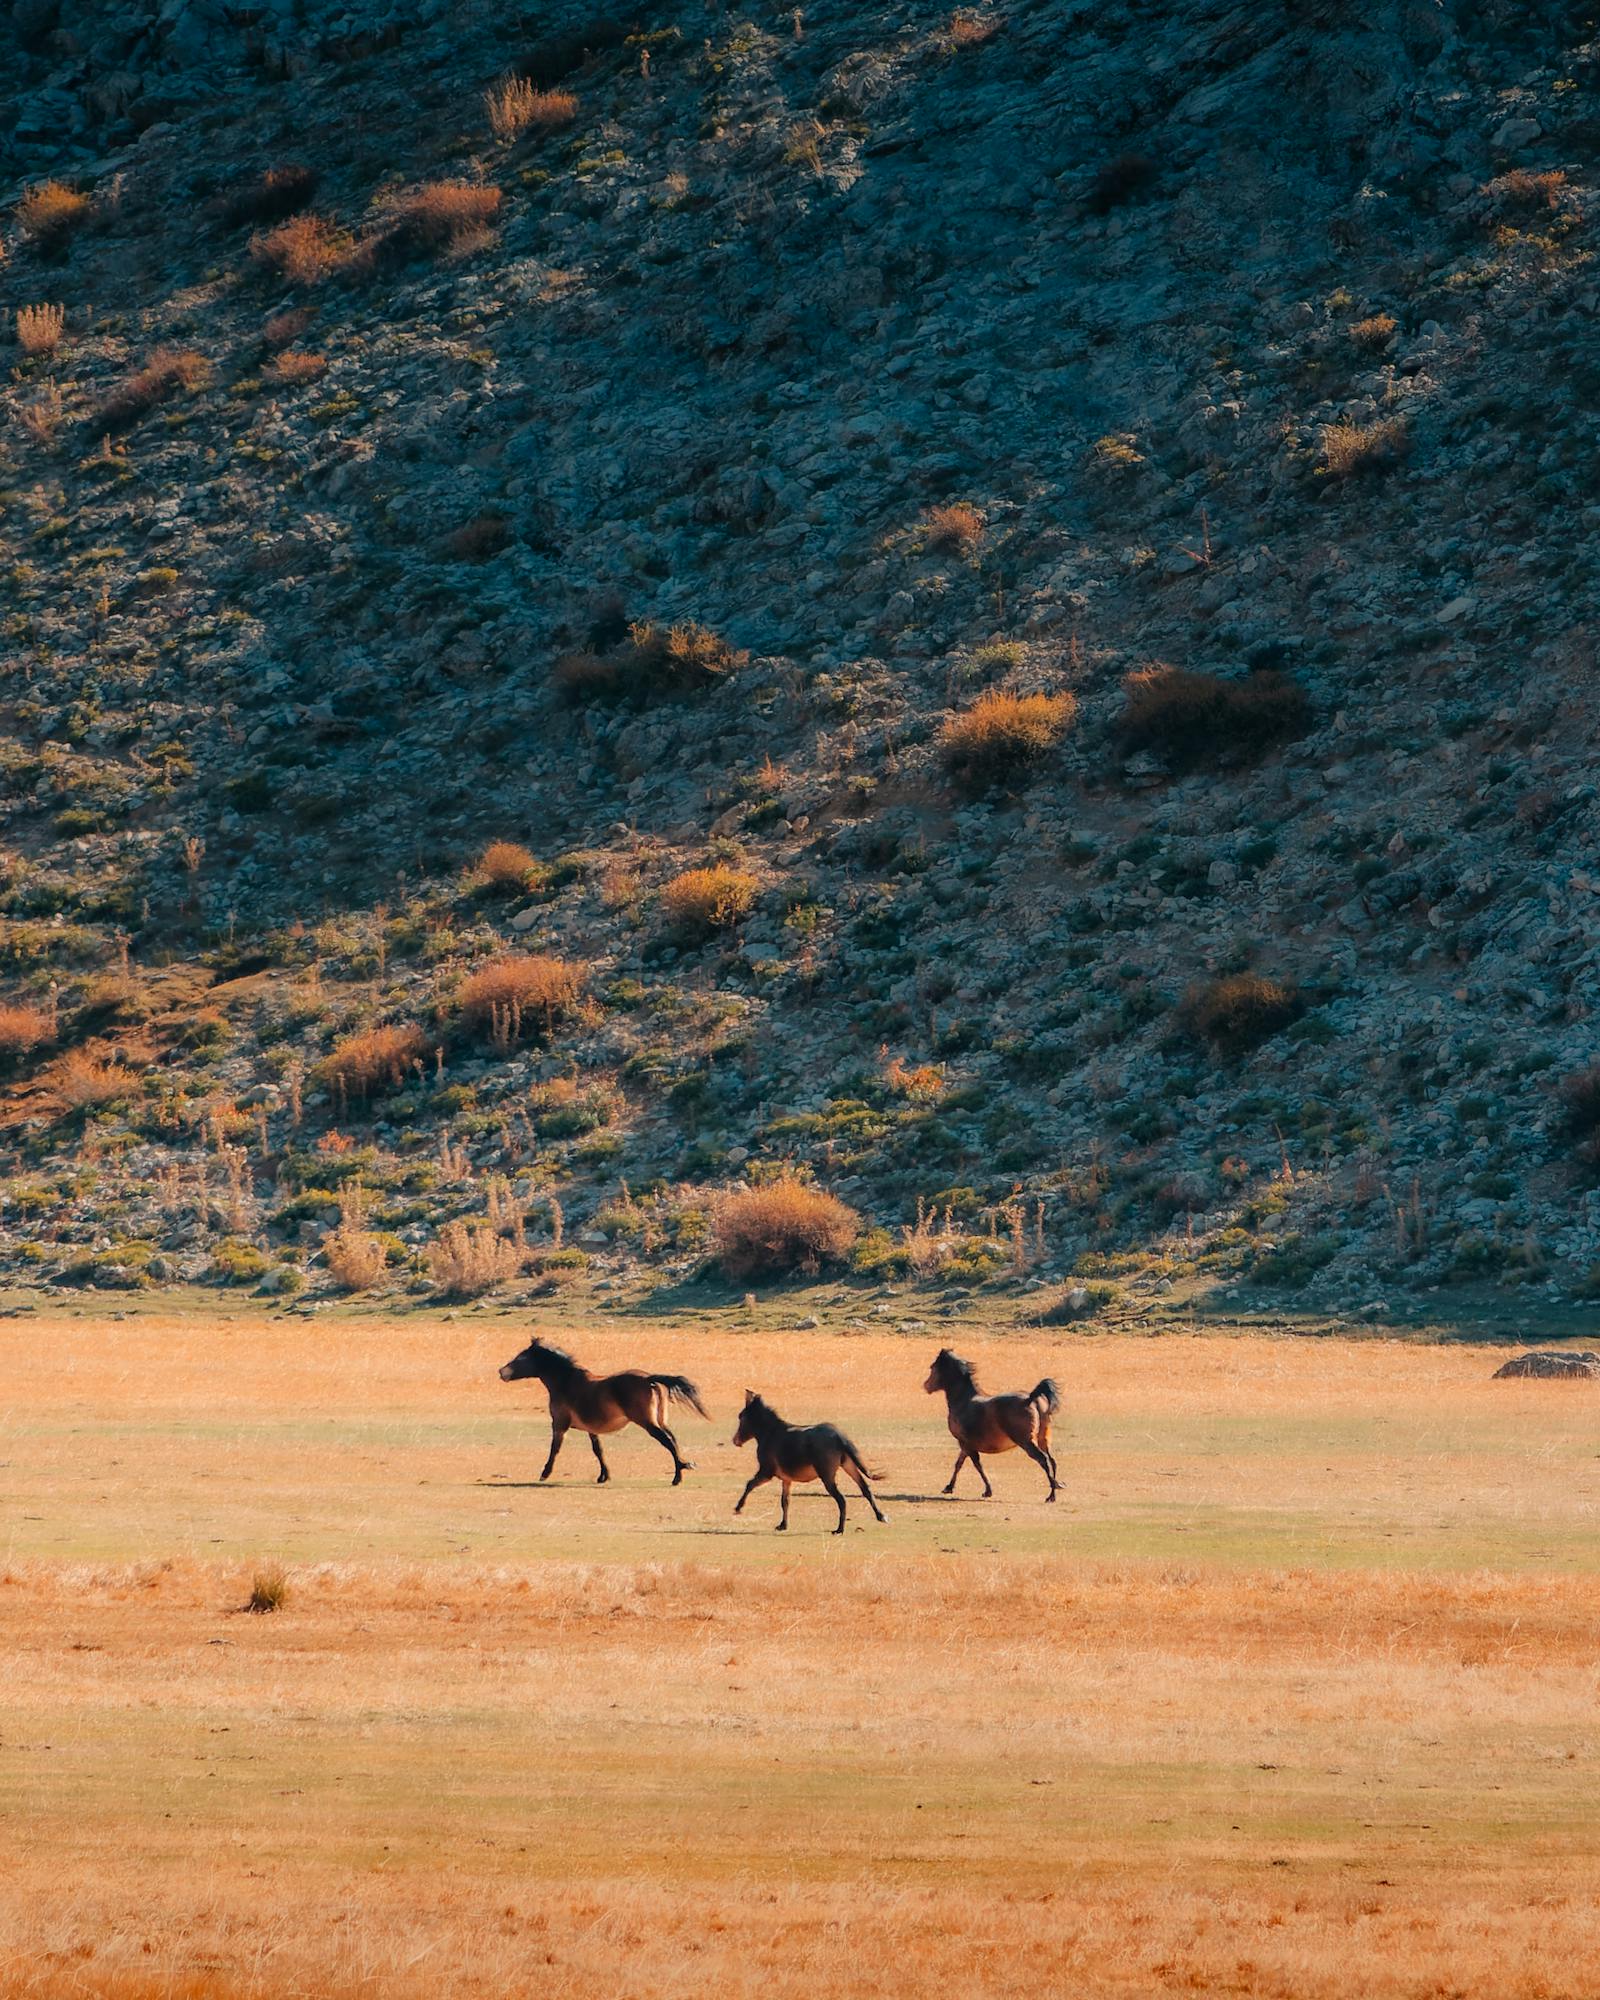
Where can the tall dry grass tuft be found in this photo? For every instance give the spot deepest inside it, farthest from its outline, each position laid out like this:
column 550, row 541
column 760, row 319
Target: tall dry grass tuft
column 1237, row 1012
column 443, row 218
column 518, row 995
column 303, row 250
column 514, row 106
column 1002, row 735
column 375, row 1059
column 1349, row 447
column 167, row 371
column 49, row 211
column 467, row 1259
column 507, row 867
column 269, row 1589
column 701, row 900
column 23, row 1029
column 785, row 1225
column 356, row 1258
column 954, row 529
column 39, row 328
column 84, row 1082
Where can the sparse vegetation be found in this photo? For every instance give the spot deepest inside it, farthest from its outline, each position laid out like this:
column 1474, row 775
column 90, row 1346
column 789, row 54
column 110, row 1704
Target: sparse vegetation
column 356, row 1258
column 467, row 1259
column 269, row 1589
column 654, row 659
column 81, row 1081
column 708, row 899
column 970, row 31
column 1193, row 718
column 508, row 869
column 23, row 1029
column 1375, row 332
column 167, row 371
column 1350, row 447
column 375, row 1059
column 39, row 329
column 514, row 106
column 519, row 995
column 280, row 191
column 1002, row 736
column 50, row 211
column 954, row 529
column 445, row 217
column 1237, row 1012
column 782, row 1226
column 303, row 250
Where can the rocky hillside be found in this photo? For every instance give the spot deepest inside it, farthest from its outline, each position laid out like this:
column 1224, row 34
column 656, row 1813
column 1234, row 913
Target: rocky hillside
column 1002, row 602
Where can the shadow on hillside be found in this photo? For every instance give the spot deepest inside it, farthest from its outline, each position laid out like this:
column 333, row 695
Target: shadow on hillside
column 1451, row 1316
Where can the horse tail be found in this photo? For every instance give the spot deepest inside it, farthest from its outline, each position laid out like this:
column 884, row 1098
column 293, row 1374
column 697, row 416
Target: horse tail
column 679, row 1389
column 1047, row 1396
column 854, row 1458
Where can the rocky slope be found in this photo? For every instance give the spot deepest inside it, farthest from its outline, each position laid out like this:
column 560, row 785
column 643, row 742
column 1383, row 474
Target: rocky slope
column 912, row 355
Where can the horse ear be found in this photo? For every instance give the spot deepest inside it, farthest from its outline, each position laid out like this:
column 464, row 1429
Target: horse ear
column 749, row 1395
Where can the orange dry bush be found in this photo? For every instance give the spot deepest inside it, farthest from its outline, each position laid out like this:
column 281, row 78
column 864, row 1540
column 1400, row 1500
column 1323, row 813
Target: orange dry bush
column 971, row 31
column 519, row 995
column 48, row 211
column 1523, row 188
column 478, row 539
column 507, row 865
column 445, row 216
column 1237, row 1012
column 375, row 1059
column 1376, row 332
column 82, row 1082
column 467, row 1259
column 1190, row 718
column 654, row 659
column 514, row 107
column 355, row 1257
column 956, row 529
column 295, row 367
column 167, row 371
column 707, row 899
column 1001, row 735
column 787, row 1225
column 39, row 328
column 23, row 1028
column 1348, row 448
column 303, row 250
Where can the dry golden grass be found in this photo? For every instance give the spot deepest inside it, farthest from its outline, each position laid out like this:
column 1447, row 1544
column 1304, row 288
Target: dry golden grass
column 708, row 899
column 1002, row 735
column 375, row 1059
column 294, row 367
column 167, row 371
column 784, row 1225
column 1240, row 1010
column 39, row 328
column 1375, row 332
column 467, row 1259
column 304, row 250
column 23, row 1029
column 1349, row 447
column 971, row 31
column 514, row 106
column 954, row 529
column 507, row 866
column 50, row 210
column 519, row 994
column 445, row 217
column 1292, row 1697
column 83, row 1082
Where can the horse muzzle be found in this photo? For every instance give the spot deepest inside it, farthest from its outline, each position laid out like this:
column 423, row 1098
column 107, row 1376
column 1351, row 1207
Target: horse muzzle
column 506, row 1374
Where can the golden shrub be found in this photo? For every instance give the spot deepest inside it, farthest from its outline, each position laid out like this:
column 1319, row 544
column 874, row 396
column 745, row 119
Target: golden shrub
column 1193, row 718
column 706, row 899
column 467, row 1259
column 1239, row 1010
column 514, row 106
column 39, row 328
column 955, row 529
column 1349, row 447
column 507, row 865
column 375, row 1059
column 302, row 250
column 519, row 994
column 166, row 372
column 444, row 216
column 82, row 1082
column 1002, row 734
column 786, row 1225
column 23, row 1028
column 48, row 211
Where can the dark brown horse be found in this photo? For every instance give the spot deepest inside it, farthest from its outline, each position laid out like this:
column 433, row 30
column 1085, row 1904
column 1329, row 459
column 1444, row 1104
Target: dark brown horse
column 788, row 1452
column 601, row 1404
column 980, row 1423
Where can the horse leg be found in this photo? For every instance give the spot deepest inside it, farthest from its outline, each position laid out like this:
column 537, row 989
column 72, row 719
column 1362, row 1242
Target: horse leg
column 867, row 1493
column 830, row 1480
column 559, row 1427
column 1043, row 1458
column 784, row 1518
column 757, row 1478
column 988, row 1490
column 664, row 1437
column 961, row 1459
column 605, row 1470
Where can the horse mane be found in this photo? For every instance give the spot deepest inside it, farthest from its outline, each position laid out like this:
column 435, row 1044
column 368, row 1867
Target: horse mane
column 951, row 1365
column 561, row 1370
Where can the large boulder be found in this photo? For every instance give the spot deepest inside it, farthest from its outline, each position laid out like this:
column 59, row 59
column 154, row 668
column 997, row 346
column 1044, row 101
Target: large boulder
column 1553, row 1365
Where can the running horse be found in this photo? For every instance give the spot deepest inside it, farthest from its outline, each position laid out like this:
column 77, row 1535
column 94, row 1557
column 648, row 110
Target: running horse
column 601, row 1404
column 980, row 1423
column 791, row 1452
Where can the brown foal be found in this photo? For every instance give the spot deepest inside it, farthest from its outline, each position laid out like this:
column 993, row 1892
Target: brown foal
column 601, row 1404
column 791, row 1452
column 980, row 1423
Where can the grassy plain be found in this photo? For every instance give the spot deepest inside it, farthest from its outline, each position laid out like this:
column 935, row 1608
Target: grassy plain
column 1293, row 1695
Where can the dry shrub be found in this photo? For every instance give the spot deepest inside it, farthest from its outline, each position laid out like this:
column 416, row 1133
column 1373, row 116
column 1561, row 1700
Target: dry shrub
column 285, row 328
column 1003, row 734
column 1375, row 333
column 303, row 250
column 1192, row 719
column 1349, row 448
column 956, row 529
column 971, row 31
column 356, row 1259
column 1120, row 180
column 707, row 899
column 167, row 371
column 507, row 866
column 1237, row 1012
column 468, row 1258
column 514, row 106
column 295, row 367
column 22, row 1029
column 269, row 1589
column 82, row 1082
column 1523, row 188
column 446, row 216
column 477, row 540
column 279, row 192
column 653, row 659
column 376, row 1059
column 39, row 328
column 50, row 210
column 518, row 995
column 787, row 1225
